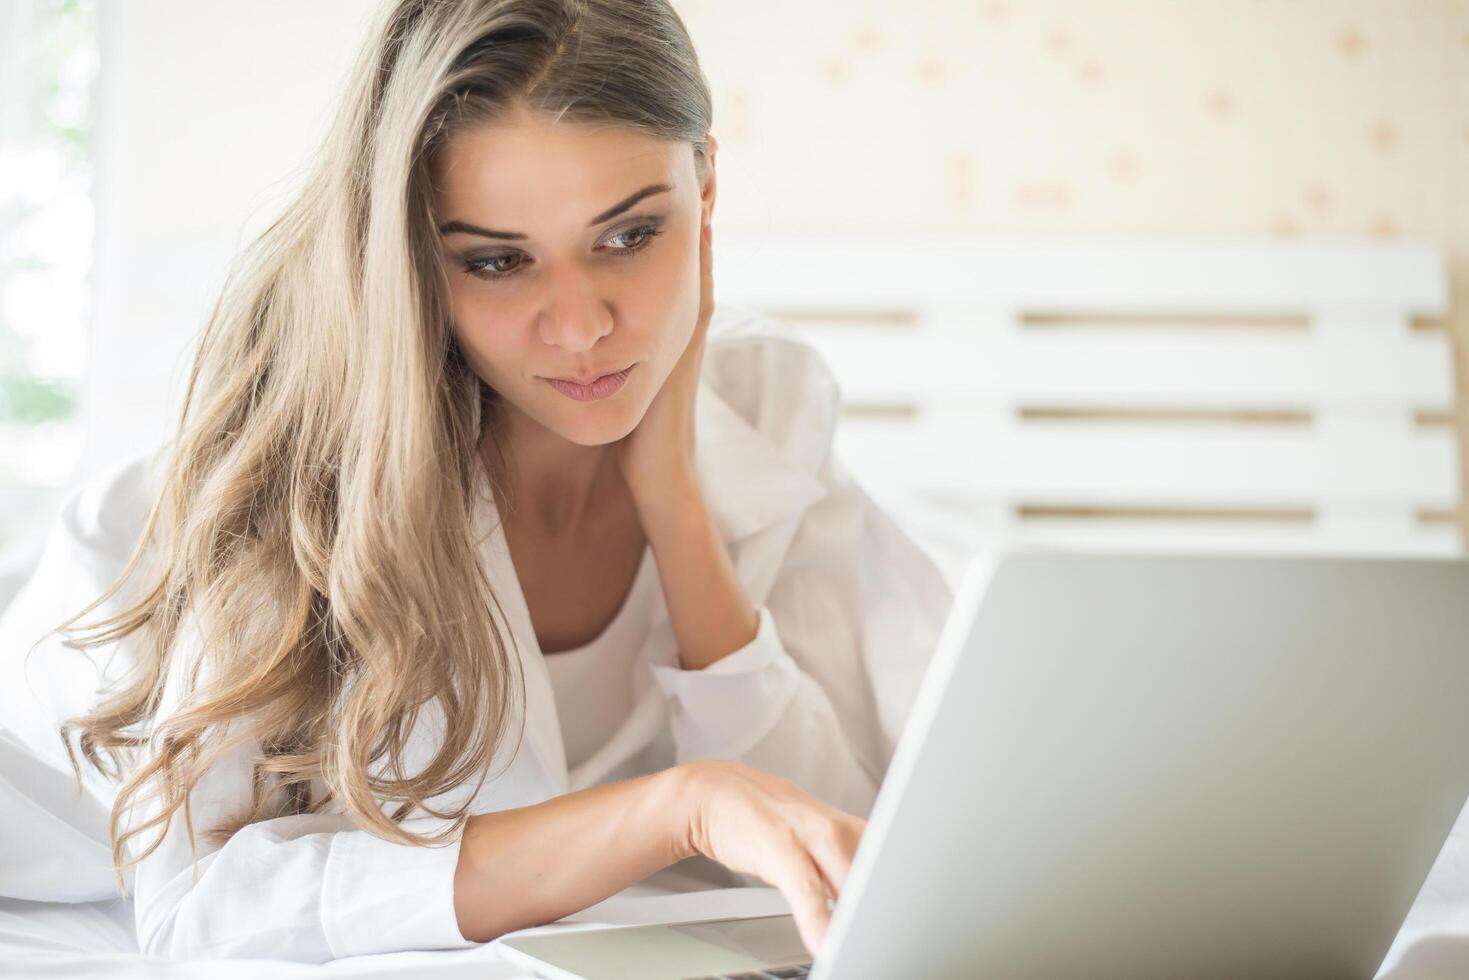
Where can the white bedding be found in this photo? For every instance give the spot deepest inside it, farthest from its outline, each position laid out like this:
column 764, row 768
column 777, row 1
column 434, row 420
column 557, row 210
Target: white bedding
column 86, row 940
column 52, row 848
column 93, row 941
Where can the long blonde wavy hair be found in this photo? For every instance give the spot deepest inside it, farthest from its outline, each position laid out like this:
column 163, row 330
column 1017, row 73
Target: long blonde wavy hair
column 315, row 514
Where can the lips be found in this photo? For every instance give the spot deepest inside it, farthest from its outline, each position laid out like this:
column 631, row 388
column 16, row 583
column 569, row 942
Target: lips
column 590, row 380
column 602, row 387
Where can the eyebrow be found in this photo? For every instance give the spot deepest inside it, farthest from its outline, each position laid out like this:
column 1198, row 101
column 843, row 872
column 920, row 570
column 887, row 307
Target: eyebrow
column 612, row 212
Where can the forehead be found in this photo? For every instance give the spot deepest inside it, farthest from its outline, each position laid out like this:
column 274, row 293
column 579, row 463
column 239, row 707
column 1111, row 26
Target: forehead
column 524, row 167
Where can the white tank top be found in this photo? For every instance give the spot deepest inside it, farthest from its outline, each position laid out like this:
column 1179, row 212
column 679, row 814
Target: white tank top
column 593, row 684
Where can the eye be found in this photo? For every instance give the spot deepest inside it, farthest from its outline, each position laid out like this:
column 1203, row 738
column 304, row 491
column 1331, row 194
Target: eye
column 644, row 234
column 487, row 267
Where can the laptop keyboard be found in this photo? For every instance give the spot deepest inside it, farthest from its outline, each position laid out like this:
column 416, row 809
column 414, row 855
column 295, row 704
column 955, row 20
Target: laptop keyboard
column 779, row 972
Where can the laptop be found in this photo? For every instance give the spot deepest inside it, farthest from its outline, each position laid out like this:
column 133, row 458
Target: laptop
column 1140, row 766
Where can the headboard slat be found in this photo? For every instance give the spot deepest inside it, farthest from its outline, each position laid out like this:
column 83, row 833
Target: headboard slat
column 1043, row 388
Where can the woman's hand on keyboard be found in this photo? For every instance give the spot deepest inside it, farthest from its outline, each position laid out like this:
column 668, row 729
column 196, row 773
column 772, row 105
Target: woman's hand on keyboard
column 764, row 825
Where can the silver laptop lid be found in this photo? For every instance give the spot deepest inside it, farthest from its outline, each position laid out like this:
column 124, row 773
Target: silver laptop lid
column 1161, row 766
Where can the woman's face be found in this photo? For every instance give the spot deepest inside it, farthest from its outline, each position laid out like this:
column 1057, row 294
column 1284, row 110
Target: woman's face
column 547, row 282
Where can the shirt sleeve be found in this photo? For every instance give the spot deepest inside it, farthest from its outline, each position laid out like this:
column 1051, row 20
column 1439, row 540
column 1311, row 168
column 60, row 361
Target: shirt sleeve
column 855, row 603
column 306, row 887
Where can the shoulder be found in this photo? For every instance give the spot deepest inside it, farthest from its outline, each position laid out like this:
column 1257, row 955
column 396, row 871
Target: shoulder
column 777, row 382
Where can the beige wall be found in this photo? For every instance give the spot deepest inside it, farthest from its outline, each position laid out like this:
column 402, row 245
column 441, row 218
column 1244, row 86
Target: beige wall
column 1192, row 117
column 1287, row 118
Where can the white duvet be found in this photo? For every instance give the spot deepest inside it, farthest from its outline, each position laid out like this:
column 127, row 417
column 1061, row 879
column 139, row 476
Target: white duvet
column 52, row 846
column 41, row 846
column 51, row 843
column 95, row 940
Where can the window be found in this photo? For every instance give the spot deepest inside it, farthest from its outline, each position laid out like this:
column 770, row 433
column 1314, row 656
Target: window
column 48, row 71
column 47, row 78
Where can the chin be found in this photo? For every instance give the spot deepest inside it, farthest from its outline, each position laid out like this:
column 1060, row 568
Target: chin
column 598, row 425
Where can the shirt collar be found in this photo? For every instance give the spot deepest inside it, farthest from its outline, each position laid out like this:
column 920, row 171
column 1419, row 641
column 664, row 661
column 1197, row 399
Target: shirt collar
column 748, row 482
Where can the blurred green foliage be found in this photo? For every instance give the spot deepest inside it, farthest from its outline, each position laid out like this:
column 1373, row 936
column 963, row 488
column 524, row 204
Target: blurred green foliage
column 61, row 35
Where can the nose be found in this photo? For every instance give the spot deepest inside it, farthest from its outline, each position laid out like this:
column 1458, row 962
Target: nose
column 575, row 317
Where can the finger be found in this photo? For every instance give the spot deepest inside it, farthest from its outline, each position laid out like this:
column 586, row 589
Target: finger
column 806, row 893
column 832, row 849
column 706, row 280
column 706, row 257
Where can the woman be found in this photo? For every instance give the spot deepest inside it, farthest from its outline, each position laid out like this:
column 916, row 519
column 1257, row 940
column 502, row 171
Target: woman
column 390, row 507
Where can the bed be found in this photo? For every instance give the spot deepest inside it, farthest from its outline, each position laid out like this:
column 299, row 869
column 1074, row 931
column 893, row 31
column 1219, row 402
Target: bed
column 95, row 940
column 1239, row 396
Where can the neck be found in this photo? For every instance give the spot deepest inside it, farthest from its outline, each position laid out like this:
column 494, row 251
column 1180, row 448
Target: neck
column 549, row 482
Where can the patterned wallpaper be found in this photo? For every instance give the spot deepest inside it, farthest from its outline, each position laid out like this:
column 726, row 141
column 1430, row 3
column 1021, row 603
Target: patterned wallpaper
column 1283, row 118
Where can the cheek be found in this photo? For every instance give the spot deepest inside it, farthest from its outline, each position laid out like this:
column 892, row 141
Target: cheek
column 669, row 322
column 657, row 280
column 487, row 338
column 666, row 291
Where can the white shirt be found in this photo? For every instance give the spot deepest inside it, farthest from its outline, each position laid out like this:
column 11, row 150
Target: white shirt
column 593, row 682
column 849, row 614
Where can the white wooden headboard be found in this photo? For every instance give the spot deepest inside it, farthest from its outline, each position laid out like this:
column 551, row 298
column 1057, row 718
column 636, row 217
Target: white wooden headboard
column 1132, row 394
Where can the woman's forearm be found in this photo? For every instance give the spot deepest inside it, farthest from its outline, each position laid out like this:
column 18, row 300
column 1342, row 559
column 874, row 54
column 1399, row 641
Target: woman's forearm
column 711, row 614
column 534, row 864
